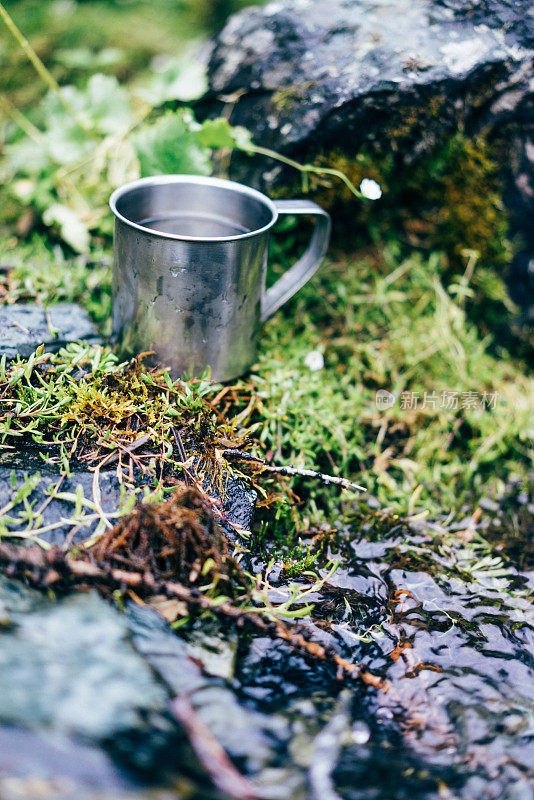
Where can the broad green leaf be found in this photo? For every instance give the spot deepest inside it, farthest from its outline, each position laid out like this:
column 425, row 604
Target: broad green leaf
column 170, row 146
column 82, row 58
column 216, row 133
column 182, row 78
column 26, row 157
column 243, row 138
column 107, row 104
column 104, row 105
column 71, row 228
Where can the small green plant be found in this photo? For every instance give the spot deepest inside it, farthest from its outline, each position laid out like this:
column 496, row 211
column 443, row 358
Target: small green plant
column 82, row 143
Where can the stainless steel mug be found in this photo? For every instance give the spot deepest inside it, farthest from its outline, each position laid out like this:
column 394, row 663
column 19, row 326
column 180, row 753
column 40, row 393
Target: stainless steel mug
column 190, row 255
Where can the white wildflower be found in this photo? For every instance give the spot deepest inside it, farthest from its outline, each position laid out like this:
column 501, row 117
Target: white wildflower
column 370, row 189
column 314, row 360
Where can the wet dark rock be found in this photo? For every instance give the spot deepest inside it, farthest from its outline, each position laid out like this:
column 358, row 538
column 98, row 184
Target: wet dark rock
column 69, row 666
column 252, row 738
column 396, row 78
column 25, row 327
column 70, row 675
column 16, row 468
column 71, row 678
column 239, row 504
column 214, row 646
column 511, row 17
column 459, row 671
column 14, row 597
column 272, row 675
column 55, row 766
column 452, row 634
column 14, row 472
column 352, row 67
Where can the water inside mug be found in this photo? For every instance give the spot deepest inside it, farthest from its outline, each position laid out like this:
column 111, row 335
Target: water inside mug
column 193, row 224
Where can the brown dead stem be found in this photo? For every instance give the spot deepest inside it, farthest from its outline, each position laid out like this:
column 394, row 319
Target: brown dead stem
column 53, row 569
column 211, row 755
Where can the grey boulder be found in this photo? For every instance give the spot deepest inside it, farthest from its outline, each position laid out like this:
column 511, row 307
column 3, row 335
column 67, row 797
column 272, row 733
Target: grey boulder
column 311, row 76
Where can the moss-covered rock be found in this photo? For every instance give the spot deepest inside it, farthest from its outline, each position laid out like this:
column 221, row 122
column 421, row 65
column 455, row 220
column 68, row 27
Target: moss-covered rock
column 413, row 95
column 448, row 200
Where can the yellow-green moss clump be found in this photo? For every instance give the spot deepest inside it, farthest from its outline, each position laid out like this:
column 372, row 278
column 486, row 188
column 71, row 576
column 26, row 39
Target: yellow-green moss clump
column 448, row 200
column 284, row 99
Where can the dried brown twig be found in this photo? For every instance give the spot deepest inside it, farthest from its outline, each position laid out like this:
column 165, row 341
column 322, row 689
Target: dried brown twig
column 209, row 752
column 288, row 470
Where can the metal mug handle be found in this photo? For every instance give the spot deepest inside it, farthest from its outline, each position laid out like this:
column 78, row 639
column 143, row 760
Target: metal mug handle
column 286, row 286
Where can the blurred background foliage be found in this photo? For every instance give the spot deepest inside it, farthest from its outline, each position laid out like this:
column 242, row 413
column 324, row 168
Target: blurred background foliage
column 76, row 38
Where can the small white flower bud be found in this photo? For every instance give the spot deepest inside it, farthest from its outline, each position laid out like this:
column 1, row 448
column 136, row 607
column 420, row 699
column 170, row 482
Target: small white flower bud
column 370, row 189
column 314, row 360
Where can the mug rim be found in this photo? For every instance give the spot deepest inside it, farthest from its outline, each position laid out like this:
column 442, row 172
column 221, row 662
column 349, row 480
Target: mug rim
column 203, row 180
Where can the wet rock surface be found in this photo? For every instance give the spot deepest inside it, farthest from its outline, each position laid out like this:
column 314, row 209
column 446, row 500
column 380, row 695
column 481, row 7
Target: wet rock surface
column 59, row 505
column 81, row 711
column 239, row 505
column 51, row 765
column 351, row 70
column 448, row 626
column 59, row 516
column 399, row 78
column 69, row 665
column 512, row 18
column 25, row 327
column 252, row 739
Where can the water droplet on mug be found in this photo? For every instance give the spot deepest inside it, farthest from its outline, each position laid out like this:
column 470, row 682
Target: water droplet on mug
column 176, row 271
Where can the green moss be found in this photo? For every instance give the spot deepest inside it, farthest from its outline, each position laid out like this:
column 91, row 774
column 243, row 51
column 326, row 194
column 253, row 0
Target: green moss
column 407, row 119
column 384, row 323
column 463, row 191
column 449, row 200
column 284, row 99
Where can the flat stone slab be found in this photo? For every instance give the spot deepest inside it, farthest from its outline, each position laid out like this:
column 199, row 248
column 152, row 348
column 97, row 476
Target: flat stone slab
column 70, row 665
column 16, row 471
column 58, row 514
column 25, row 327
